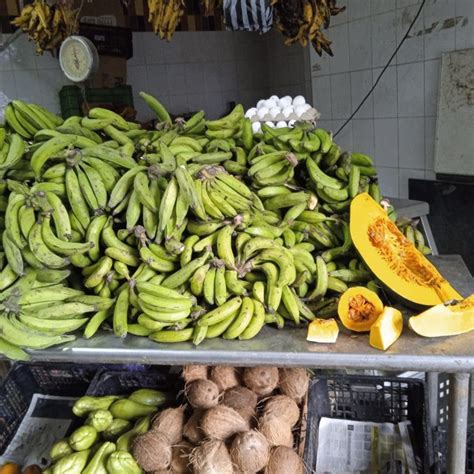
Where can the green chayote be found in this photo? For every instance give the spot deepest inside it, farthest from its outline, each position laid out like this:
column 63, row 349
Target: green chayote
column 121, row 462
column 86, row 404
column 60, row 449
column 97, row 463
column 72, row 464
column 99, row 419
column 83, row 438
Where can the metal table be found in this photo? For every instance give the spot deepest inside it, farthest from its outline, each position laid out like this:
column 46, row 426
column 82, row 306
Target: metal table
column 288, row 347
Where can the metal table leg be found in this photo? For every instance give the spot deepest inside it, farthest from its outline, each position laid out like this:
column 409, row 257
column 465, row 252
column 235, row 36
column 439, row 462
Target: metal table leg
column 458, row 413
column 432, row 385
column 428, row 234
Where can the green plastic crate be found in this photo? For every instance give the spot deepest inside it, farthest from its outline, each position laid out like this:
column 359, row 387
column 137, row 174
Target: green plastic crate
column 70, row 98
column 115, row 98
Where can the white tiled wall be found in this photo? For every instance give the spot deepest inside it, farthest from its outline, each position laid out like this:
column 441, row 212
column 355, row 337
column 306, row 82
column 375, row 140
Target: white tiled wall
column 397, row 123
column 27, row 76
column 195, row 70
column 210, row 69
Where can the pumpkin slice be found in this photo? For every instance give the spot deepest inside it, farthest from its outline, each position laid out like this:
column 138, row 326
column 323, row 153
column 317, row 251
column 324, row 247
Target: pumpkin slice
column 445, row 319
column 323, row 330
column 359, row 308
column 387, row 329
column 393, row 258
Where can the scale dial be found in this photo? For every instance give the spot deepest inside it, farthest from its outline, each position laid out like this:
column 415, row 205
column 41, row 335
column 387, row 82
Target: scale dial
column 78, row 58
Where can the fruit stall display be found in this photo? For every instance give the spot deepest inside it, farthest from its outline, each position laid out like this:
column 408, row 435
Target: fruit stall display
column 195, row 230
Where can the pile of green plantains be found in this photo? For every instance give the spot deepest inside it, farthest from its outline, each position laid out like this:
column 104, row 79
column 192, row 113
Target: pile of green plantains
column 194, row 230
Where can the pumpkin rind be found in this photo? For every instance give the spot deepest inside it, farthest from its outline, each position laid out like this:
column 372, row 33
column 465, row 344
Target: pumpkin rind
column 393, row 258
column 387, row 329
column 445, row 319
column 323, row 331
column 359, row 308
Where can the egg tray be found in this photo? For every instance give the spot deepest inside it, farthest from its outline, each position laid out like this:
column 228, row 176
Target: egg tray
column 310, row 115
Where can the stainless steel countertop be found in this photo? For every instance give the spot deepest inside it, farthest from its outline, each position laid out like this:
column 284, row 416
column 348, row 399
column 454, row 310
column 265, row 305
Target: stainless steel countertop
column 288, row 347
column 410, row 208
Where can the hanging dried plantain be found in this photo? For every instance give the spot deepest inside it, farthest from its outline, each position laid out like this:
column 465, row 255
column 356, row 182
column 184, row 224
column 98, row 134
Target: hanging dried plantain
column 48, row 25
column 164, row 16
column 303, row 21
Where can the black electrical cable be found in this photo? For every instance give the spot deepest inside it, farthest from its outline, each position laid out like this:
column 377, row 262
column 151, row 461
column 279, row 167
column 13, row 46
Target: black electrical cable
column 384, row 69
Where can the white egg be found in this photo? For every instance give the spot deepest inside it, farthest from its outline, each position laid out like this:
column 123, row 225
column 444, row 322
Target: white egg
column 291, row 123
column 270, row 124
column 275, row 112
column 262, row 112
column 286, row 101
column 281, row 124
column 275, row 98
column 261, row 103
column 270, row 103
column 300, row 110
column 299, row 100
column 287, row 111
column 306, row 107
column 251, row 112
column 256, row 127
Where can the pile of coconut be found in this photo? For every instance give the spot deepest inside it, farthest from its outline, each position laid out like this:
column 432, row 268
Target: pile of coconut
column 236, row 421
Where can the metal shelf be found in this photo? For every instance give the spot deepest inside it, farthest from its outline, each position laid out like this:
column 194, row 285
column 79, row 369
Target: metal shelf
column 288, row 347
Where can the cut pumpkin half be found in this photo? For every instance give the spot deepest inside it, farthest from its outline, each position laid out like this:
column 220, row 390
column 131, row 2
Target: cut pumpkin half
column 393, row 258
column 359, row 308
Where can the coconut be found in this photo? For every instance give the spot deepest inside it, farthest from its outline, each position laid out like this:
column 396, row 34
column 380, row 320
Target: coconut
column 202, row 393
column 276, row 429
column 221, row 422
column 212, row 457
column 284, row 460
column 242, row 400
column 262, row 380
column 180, row 454
column 152, row 451
column 250, row 451
column 294, row 383
column 194, row 372
column 192, row 430
column 170, row 422
column 284, row 407
column 224, row 377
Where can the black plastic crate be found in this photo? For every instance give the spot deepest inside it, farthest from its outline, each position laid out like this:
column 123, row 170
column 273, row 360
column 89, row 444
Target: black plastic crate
column 369, row 398
column 109, row 382
column 24, row 380
column 109, row 40
column 440, row 441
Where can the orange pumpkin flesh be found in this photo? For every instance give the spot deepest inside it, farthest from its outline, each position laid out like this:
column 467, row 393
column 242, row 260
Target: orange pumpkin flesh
column 359, row 308
column 393, row 258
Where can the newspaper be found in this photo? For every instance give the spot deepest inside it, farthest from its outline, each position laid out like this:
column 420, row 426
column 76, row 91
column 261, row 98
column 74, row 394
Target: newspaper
column 364, row 447
column 47, row 420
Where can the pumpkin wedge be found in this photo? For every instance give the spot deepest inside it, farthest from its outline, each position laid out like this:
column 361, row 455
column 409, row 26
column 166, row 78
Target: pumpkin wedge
column 393, row 258
column 323, row 331
column 445, row 319
column 387, row 329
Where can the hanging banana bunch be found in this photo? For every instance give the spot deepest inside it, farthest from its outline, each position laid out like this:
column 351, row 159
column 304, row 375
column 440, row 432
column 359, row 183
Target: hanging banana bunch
column 164, row 16
column 48, row 26
column 303, row 20
column 211, row 6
